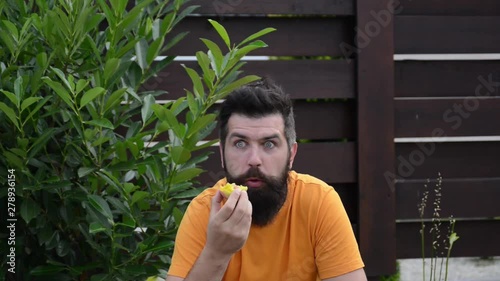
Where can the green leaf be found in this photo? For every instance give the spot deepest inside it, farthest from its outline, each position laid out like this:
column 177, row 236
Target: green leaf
column 237, row 84
column 188, row 194
column 61, row 76
column 114, row 99
column 80, row 85
column 13, row 159
column 204, row 63
column 215, row 55
column 46, row 270
column 29, row 101
column 180, row 154
column 9, row 41
column 100, row 205
column 192, row 103
column 40, row 142
column 60, row 91
column 118, row 204
column 111, row 67
column 96, row 227
column 10, row 114
column 186, row 175
column 90, row 95
column 138, row 196
column 174, row 41
column 195, row 78
column 222, row 32
column 29, row 209
column 256, row 35
column 11, row 97
column 177, row 216
column 141, row 49
column 161, row 246
column 147, row 110
column 84, row 171
column 37, row 107
column 18, row 89
column 103, row 122
column 12, row 29
column 154, row 50
column 201, row 123
column 19, row 152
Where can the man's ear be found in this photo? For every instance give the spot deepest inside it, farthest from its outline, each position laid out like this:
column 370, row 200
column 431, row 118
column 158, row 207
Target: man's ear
column 293, row 152
column 221, row 152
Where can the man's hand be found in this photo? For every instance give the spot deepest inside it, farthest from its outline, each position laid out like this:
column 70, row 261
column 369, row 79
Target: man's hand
column 229, row 226
column 227, row 232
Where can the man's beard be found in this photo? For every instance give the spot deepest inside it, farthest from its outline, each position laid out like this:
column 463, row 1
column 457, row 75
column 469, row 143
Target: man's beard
column 266, row 200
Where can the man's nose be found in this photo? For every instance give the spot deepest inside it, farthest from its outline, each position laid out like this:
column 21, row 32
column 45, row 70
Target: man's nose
column 254, row 158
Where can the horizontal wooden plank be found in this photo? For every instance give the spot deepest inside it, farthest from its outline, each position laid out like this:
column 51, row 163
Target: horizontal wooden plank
column 325, row 120
column 472, row 116
column 450, row 8
column 466, row 198
column 311, row 7
column 307, row 36
column 447, row 78
column 302, row 79
column 477, row 238
column 332, row 162
column 443, row 34
column 451, row 159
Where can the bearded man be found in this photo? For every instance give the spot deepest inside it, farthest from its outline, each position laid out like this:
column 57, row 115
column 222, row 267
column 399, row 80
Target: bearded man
column 287, row 226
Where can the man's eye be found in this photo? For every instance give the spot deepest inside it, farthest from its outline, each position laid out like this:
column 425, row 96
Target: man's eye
column 268, row 144
column 240, row 144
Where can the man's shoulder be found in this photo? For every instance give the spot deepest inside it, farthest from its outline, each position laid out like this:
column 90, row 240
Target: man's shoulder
column 307, row 181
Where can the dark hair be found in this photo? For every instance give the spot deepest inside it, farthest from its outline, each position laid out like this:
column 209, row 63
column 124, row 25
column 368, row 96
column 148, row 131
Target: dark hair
column 257, row 100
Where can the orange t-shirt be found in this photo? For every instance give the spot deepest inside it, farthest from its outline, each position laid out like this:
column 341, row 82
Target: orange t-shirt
column 310, row 239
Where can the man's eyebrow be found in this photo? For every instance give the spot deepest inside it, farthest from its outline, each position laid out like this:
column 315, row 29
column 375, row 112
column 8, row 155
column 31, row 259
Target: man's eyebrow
column 237, row 135
column 273, row 136
column 241, row 136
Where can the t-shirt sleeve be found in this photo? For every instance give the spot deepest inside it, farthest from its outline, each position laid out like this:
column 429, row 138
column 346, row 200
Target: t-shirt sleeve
column 191, row 237
column 336, row 248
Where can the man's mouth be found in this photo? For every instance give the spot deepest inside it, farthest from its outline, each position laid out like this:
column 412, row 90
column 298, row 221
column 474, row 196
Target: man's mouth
column 253, row 183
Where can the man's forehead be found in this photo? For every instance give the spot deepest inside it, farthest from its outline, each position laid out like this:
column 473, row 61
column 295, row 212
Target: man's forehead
column 271, row 122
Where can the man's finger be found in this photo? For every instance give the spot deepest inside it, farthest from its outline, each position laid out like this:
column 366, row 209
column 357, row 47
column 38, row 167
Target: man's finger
column 216, row 203
column 227, row 210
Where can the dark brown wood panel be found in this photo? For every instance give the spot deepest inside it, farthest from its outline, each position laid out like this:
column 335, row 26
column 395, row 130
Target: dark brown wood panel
column 472, row 116
column 375, row 87
column 336, row 120
column 451, row 159
column 447, row 78
column 331, row 162
column 450, row 8
column 302, row 79
column 312, row 7
column 294, row 36
column 443, row 34
column 465, row 198
column 348, row 193
column 477, row 238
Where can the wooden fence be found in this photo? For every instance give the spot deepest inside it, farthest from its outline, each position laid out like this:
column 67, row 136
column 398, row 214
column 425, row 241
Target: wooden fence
column 364, row 114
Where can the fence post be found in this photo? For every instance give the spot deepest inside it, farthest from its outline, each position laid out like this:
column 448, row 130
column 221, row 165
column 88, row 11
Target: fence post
column 375, row 89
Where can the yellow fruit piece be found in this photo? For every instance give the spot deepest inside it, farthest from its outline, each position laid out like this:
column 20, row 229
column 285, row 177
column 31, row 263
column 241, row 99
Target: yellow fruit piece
column 229, row 188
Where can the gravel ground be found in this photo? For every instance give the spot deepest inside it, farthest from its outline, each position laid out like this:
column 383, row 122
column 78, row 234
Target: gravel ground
column 459, row 269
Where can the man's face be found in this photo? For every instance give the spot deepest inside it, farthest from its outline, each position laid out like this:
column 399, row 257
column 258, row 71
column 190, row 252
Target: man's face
column 256, row 154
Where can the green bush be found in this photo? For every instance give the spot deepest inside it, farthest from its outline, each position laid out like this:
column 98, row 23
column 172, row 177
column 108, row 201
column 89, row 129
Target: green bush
column 100, row 190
